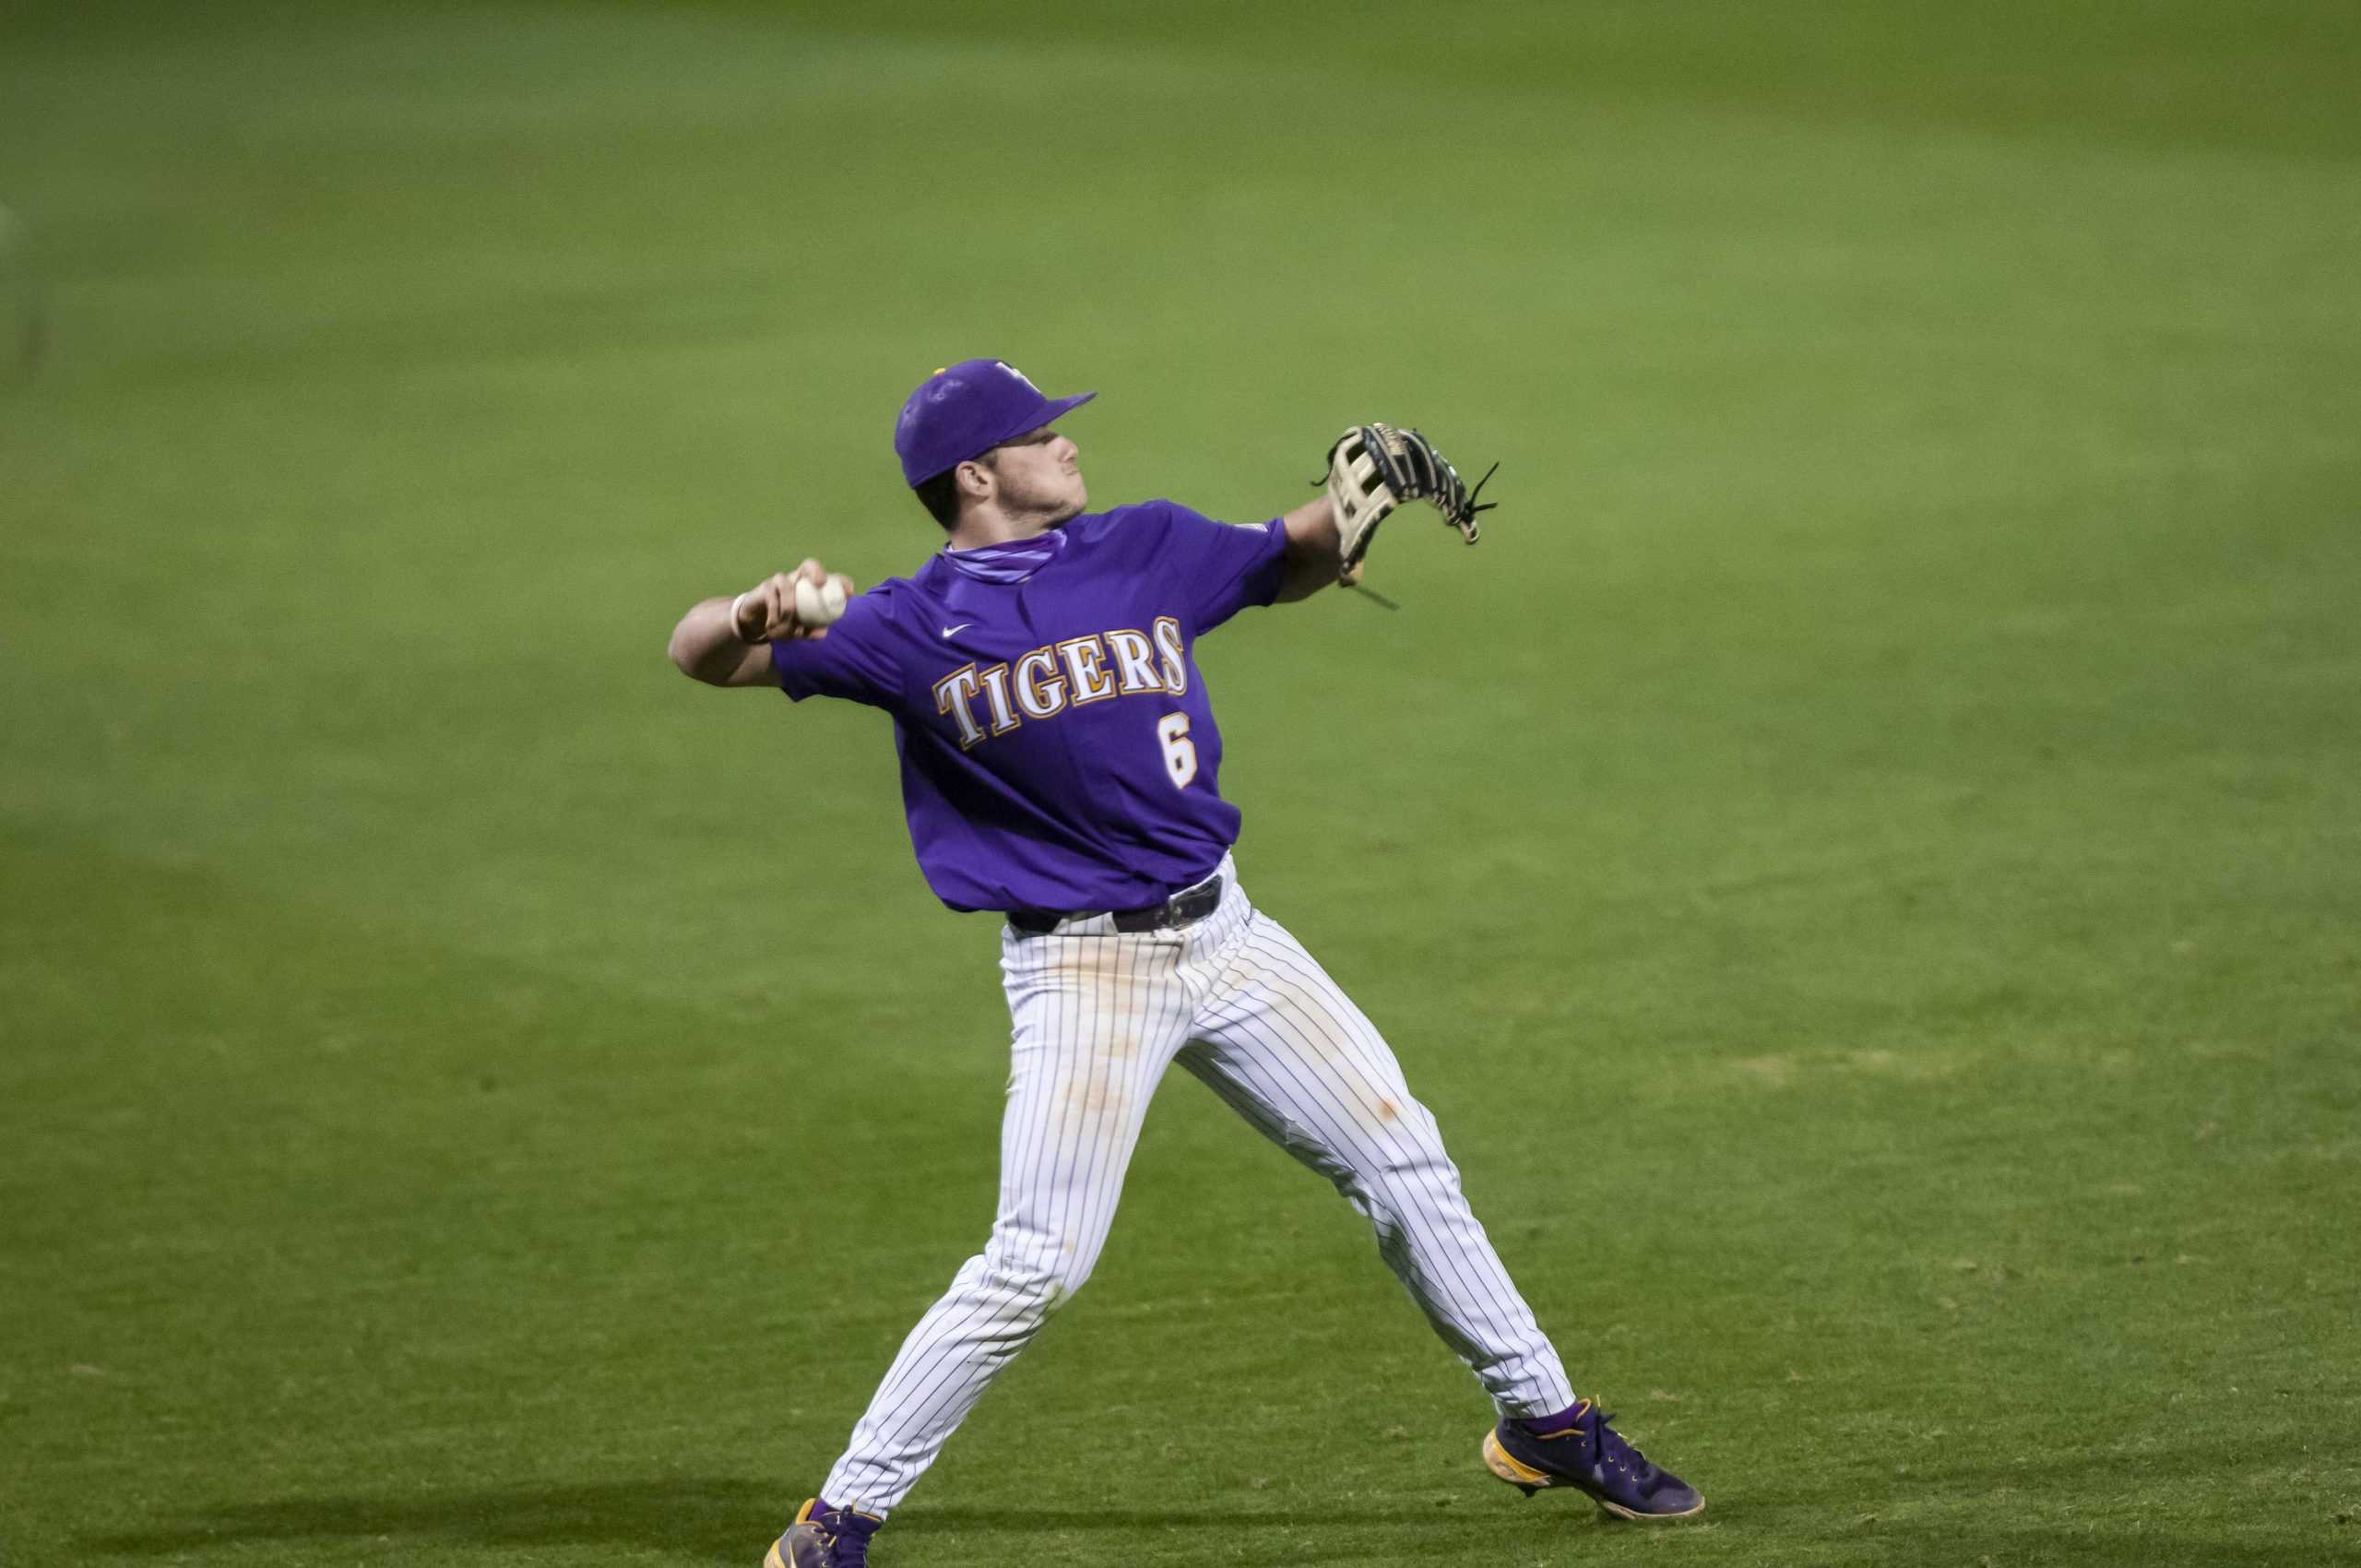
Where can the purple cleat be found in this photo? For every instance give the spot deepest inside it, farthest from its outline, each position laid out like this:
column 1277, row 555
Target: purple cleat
column 1579, row 1449
column 823, row 1536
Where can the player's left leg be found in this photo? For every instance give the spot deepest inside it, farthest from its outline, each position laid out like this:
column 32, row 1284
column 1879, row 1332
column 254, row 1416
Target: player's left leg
column 1285, row 1048
column 1278, row 1041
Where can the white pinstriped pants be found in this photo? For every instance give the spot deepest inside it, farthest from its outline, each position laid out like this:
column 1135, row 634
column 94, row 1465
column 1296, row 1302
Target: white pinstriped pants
column 1237, row 1000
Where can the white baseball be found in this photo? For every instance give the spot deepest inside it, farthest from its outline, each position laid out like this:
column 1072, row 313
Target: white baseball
column 818, row 604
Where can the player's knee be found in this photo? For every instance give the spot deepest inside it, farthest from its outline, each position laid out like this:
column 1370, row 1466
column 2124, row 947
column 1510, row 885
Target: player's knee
column 1038, row 1281
column 1404, row 1186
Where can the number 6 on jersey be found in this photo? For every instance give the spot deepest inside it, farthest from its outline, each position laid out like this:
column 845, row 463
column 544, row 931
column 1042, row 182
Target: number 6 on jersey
column 1180, row 752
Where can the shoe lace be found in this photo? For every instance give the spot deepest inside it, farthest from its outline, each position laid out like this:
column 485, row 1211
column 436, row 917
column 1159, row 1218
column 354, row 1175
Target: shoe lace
column 1616, row 1450
column 1612, row 1450
column 845, row 1548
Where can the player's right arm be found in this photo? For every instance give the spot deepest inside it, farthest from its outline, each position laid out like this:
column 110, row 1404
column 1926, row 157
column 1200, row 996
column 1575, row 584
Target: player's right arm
column 708, row 648
column 723, row 641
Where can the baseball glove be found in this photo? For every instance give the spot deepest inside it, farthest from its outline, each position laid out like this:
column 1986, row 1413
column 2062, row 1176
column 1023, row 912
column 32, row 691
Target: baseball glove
column 1374, row 468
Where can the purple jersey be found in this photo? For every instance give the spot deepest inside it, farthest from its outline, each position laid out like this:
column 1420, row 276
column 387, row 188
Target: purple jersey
column 1058, row 750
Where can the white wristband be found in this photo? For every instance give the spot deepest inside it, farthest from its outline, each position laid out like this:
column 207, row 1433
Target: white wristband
column 736, row 605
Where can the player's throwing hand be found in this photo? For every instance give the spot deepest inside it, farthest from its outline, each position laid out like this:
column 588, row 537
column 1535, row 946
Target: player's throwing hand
column 791, row 605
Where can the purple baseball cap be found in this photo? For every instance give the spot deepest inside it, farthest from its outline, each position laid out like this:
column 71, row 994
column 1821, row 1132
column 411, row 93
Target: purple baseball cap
column 966, row 410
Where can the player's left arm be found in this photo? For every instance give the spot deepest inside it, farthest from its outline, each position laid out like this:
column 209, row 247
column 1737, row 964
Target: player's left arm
column 1314, row 551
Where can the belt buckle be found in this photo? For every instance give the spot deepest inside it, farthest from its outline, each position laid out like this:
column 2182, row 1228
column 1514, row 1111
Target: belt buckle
column 1192, row 904
column 1185, row 908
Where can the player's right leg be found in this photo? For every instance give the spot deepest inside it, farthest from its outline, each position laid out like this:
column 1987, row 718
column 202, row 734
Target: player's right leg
column 1097, row 1016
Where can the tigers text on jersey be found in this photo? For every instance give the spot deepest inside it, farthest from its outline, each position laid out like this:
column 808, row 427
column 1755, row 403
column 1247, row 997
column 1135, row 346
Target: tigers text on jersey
column 1058, row 749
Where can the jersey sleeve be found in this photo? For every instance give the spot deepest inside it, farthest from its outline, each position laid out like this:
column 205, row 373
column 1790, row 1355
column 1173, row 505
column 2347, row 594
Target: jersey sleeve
column 854, row 660
column 1221, row 568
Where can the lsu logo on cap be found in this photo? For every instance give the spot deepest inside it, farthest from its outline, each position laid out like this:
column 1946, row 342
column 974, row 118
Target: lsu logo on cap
column 1004, row 364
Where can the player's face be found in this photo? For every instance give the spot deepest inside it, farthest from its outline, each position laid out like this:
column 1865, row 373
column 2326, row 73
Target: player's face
column 1040, row 477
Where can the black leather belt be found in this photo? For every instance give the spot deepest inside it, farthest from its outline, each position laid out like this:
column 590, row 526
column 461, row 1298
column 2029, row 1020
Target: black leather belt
column 1185, row 908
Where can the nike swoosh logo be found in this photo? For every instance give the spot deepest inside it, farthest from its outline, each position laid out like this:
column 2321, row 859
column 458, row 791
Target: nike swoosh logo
column 952, row 631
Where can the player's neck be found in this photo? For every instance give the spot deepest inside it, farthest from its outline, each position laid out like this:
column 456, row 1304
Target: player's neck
column 980, row 526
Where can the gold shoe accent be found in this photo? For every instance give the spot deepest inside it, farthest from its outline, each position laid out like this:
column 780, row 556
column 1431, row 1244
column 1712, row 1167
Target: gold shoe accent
column 1522, row 1476
column 772, row 1559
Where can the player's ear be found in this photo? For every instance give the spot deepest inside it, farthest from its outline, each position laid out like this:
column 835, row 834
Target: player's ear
column 974, row 481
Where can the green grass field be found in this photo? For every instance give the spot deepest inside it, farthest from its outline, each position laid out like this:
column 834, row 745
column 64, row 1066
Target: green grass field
column 1865, row 860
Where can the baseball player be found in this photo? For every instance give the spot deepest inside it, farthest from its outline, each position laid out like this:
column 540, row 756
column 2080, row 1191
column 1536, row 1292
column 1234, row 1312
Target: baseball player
column 1061, row 768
